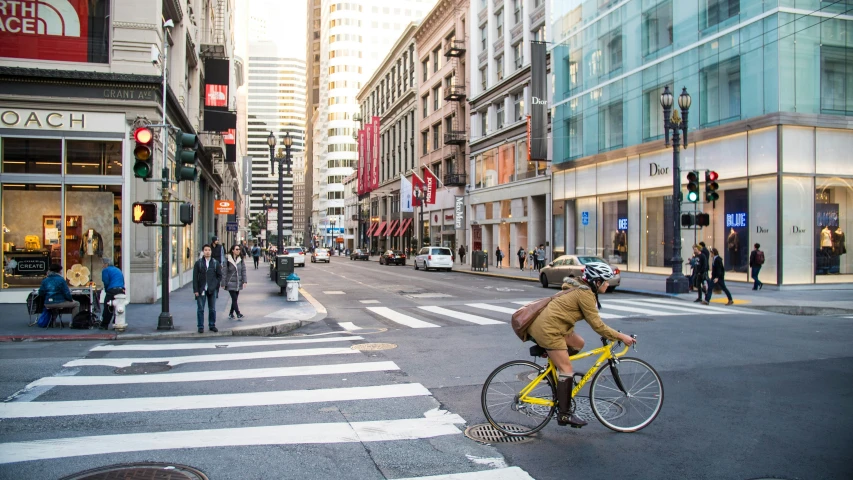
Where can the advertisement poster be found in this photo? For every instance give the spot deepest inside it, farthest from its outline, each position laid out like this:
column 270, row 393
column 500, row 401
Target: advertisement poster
column 374, row 166
column 367, row 151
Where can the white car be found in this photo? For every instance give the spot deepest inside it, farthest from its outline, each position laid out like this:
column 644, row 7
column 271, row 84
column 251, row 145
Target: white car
column 320, row 255
column 298, row 254
column 434, row 257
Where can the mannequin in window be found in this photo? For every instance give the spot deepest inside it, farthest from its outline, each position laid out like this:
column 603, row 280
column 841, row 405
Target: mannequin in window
column 733, row 244
column 826, row 240
column 838, row 242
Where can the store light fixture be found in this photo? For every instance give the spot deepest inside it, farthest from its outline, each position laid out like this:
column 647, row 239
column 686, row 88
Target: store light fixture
column 48, row 186
column 86, row 164
column 14, row 185
column 84, row 186
column 10, row 162
column 48, row 163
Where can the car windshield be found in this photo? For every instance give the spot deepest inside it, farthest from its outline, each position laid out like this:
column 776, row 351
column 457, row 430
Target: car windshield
column 441, row 251
column 585, row 260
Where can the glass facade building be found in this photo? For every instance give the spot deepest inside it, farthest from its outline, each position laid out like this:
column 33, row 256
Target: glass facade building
column 772, row 95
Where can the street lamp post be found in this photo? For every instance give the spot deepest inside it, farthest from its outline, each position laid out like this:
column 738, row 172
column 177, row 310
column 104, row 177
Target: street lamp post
column 332, row 237
column 282, row 162
column 267, row 204
column 676, row 282
column 421, row 196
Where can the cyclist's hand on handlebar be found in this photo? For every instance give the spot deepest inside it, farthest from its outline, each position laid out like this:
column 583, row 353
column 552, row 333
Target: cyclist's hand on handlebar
column 626, row 339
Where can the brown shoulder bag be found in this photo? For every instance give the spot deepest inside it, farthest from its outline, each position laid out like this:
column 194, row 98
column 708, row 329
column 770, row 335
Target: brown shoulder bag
column 524, row 316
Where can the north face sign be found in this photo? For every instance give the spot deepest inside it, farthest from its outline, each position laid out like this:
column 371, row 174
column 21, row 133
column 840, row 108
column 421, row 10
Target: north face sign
column 63, row 30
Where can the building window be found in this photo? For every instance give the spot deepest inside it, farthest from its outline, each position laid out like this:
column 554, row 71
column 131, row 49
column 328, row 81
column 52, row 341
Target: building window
column 652, row 113
column 425, row 67
column 436, row 95
column 517, row 4
column 610, row 126
column 435, row 55
column 575, row 63
column 719, row 92
column 499, row 111
column 539, row 34
column 518, row 105
column 499, row 23
column 484, row 122
column 424, row 142
column 518, row 54
column 574, row 127
column 718, row 11
column 657, row 28
column 483, row 78
column 499, row 67
column 436, row 131
column 836, row 80
column 608, row 58
column 425, row 104
column 484, row 37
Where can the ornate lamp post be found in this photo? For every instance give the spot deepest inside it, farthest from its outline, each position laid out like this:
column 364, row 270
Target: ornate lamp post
column 332, row 237
column 267, row 204
column 676, row 282
column 420, row 195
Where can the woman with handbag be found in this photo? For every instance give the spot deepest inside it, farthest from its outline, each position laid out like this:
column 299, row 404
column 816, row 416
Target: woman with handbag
column 235, row 279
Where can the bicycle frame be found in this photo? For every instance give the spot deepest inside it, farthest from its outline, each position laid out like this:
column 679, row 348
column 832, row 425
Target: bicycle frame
column 606, row 354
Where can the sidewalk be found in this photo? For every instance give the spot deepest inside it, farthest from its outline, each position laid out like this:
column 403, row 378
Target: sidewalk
column 266, row 313
column 808, row 300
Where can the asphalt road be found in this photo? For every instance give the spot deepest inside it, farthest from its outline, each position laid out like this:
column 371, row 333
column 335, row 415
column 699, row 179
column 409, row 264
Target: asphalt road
column 747, row 394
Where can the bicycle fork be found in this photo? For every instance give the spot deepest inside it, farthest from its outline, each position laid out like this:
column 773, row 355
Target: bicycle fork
column 614, row 369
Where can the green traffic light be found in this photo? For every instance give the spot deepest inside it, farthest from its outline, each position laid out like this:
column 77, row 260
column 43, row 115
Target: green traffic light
column 142, row 169
column 692, row 197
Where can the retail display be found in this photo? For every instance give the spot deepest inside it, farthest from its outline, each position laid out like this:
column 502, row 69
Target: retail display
column 830, row 239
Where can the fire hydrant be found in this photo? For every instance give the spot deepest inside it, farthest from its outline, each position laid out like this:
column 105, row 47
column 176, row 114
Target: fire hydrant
column 119, row 304
column 292, row 288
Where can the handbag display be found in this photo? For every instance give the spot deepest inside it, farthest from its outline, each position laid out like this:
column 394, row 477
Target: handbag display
column 525, row 315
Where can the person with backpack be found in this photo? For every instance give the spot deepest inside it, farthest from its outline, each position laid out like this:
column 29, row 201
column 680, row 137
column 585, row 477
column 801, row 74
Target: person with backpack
column 756, row 260
column 256, row 254
column 499, row 257
column 521, row 257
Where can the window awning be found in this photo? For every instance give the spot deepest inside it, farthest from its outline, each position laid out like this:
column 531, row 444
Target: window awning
column 404, row 225
column 369, row 230
column 378, row 229
column 389, row 232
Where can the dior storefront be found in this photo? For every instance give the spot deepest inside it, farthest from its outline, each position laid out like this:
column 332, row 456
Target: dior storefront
column 789, row 188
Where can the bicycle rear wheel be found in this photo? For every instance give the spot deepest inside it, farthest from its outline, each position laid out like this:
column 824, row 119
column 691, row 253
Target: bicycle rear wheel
column 637, row 406
column 501, row 404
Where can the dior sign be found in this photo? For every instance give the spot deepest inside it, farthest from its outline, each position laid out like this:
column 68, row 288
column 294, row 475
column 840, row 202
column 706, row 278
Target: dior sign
column 655, row 170
column 538, row 101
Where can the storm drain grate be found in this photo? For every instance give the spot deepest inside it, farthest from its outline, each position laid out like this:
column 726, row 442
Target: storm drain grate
column 485, row 433
column 144, row 368
column 140, row 471
column 373, row 346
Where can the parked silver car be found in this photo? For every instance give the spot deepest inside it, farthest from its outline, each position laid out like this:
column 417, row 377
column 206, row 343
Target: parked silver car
column 572, row 266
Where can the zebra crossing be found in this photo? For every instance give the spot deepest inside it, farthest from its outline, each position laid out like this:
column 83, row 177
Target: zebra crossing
column 242, row 400
column 434, row 316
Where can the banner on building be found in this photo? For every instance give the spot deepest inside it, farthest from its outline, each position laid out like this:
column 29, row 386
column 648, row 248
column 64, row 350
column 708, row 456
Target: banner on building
column 417, row 184
column 229, row 137
column 374, row 168
column 247, row 175
column 431, row 184
column 538, row 102
column 459, row 212
column 64, row 30
column 405, row 195
column 217, row 78
column 368, row 157
column 359, row 166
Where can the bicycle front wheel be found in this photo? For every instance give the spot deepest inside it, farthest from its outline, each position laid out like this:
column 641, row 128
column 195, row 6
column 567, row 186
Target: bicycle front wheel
column 501, row 401
column 633, row 408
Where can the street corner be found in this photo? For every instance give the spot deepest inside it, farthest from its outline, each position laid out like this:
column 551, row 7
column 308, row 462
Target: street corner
column 319, row 310
column 737, row 301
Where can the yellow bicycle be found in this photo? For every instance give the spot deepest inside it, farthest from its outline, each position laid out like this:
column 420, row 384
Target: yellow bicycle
column 520, row 397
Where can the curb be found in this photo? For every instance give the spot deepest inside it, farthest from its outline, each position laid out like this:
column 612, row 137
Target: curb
column 799, row 310
column 56, row 338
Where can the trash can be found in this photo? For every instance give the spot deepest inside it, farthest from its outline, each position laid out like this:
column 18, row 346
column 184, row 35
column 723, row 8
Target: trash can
column 479, row 261
column 284, row 267
column 292, row 288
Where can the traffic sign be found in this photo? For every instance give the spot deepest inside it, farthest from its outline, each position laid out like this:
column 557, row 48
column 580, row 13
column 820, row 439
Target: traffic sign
column 585, row 218
column 231, row 227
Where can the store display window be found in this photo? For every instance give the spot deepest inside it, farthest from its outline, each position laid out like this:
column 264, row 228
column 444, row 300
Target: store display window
column 86, row 157
column 613, row 224
column 658, row 245
column 833, row 206
column 737, row 245
column 31, row 155
column 92, row 232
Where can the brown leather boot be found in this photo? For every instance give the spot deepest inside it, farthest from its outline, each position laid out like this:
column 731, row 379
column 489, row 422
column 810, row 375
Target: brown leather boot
column 564, row 402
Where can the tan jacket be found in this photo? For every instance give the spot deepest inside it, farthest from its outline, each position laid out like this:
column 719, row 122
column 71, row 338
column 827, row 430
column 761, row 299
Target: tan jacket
column 558, row 319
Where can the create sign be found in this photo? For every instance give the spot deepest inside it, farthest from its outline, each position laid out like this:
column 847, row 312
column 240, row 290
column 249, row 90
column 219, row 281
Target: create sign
column 223, row 207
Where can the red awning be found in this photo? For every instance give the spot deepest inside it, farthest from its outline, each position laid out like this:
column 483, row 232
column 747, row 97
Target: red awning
column 404, row 225
column 378, row 229
column 372, row 226
column 389, row 232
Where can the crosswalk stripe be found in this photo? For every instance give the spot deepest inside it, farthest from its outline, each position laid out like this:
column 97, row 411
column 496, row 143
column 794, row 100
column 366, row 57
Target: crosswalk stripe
column 509, row 473
column 494, row 308
column 523, row 303
column 462, row 316
column 401, row 318
column 668, row 306
column 311, row 433
column 224, row 357
column 196, row 402
column 215, row 375
column 349, row 326
column 609, row 315
column 218, row 345
column 644, row 311
column 703, row 308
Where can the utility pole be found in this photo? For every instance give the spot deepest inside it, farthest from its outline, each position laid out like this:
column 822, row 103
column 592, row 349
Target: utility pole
column 164, row 322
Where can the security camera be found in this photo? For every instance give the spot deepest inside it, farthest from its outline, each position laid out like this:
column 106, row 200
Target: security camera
column 155, row 54
column 168, row 24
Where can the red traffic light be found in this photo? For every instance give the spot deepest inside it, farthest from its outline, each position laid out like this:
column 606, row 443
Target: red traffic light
column 712, row 176
column 143, row 135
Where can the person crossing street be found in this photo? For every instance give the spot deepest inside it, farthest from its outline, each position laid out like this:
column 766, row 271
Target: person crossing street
column 207, row 274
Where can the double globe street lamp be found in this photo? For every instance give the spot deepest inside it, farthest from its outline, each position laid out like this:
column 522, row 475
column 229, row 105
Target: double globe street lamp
column 676, row 282
column 420, row 195
column 282, row 162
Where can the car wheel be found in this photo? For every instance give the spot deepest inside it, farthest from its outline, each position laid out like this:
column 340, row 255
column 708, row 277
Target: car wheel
column 543, row 280
column 426, row 266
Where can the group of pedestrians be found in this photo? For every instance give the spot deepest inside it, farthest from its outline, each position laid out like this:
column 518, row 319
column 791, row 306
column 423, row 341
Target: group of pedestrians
column 535, row 258
column 709, row 272
column 215, row 269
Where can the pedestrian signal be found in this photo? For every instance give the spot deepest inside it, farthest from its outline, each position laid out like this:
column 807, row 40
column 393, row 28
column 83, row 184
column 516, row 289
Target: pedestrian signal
column 703, row 220
column 186, row 156
column 144, row 212
column 144, row 166
column 711, row 186
column 693, row 186
column 687, row 220
column 185, row 213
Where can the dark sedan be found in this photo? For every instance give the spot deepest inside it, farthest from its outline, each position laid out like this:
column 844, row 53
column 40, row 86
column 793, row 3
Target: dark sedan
column 392, row 257
column 359, row 254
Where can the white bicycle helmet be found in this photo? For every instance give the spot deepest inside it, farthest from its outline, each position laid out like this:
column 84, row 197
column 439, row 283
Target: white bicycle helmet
column 597, row 271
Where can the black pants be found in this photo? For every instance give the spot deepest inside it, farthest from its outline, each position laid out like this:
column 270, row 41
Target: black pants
column 234, row 307
column 107, row 316
column 720, row 283
column 256, row 261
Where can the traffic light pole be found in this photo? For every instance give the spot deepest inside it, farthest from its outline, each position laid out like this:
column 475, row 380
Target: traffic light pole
column 164, row 322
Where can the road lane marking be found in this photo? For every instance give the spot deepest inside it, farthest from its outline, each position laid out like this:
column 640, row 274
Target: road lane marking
column 349, row 326
column 509, row 473
column 703, row 308
column 217, row 345
column 198, row 402
column 401, row 318
column 224, row 357
column 467, row 317
column 310, row 433
column 644, row 311
column 677, row 308
column 369, row 301
column 494, row 308
column 334, row 292
column 215, row 375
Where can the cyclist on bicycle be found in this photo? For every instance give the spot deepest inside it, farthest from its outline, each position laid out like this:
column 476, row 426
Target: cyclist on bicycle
column 553, row 330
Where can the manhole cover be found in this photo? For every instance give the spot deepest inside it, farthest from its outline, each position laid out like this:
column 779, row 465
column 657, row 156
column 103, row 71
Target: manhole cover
column 373, row 346
column 583, row 410
column 143, row 368
column 140, row 471
column 486, row 433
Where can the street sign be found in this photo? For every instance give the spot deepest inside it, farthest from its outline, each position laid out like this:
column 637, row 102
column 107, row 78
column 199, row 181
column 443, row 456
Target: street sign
column 231, row 227
column 223, row 207
column 585, row 218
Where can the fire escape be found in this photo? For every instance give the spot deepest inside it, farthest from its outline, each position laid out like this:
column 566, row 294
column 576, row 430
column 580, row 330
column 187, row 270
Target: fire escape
column 457, row 136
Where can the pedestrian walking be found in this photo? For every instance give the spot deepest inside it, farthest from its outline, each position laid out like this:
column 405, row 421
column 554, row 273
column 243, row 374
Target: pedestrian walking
column 521, row 257
column 756, row 260
column 540, row 257
column 244, row 250
column 234, row 272
column 693, row 261
column 499, row 256
column 217, row 250
column 256, row 255
column 718, row 278
column 113, row 285
column 207, row 274
column 462, row 254
column 700, row 272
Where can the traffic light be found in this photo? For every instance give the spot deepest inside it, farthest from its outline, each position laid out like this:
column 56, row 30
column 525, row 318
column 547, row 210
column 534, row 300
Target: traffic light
column 144, row 212
column 703, row 220
column 185, row 213
column 711, row 186
column 693, row 186
column 687, row 220
column 144, row 166
column 185, row 156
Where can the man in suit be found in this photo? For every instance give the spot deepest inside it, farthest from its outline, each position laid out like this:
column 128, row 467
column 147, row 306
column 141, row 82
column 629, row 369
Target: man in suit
column 207, row 274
